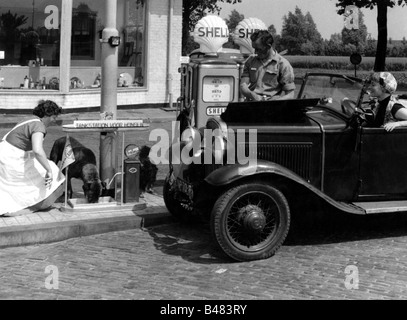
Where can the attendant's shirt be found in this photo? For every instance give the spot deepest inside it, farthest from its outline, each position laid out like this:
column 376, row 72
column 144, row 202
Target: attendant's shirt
column 271, row 77
column 20, row 137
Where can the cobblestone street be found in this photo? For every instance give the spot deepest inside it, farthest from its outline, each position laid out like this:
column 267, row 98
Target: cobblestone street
column 353, row 259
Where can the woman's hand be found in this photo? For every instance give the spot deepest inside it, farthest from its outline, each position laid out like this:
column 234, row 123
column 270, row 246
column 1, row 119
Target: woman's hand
column 391, row 125
column 48, row 179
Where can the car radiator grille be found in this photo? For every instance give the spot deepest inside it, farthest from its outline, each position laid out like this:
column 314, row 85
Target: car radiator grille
column 294, row 156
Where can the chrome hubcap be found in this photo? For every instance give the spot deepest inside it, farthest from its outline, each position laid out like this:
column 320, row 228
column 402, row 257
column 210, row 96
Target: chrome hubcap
column 253, row 218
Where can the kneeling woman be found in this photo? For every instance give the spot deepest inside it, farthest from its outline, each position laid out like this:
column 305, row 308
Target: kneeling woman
column 29, row 182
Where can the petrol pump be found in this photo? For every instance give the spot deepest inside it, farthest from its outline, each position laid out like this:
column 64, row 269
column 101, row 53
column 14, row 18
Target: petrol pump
column 131, row 171
column 210, row 76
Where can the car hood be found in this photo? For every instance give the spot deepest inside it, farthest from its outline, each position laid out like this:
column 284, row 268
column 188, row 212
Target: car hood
column 295, row 114
column 313, row 120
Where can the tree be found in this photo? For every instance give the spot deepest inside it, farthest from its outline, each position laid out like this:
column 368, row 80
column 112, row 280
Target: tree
column 380, row 61
column 192, row 12
column 333, row 46
column 357, row 37
column 298, row 29
column 234, row 18
column 272, row 29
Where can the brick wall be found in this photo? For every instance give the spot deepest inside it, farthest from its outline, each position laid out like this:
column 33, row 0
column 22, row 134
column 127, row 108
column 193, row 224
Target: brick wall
column 155, row 93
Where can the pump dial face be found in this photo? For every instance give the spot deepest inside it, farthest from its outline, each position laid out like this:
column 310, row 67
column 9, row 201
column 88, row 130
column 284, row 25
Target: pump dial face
column 131, row 151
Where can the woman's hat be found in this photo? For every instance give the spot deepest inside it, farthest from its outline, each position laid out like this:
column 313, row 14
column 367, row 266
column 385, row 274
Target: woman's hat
column 389, row 82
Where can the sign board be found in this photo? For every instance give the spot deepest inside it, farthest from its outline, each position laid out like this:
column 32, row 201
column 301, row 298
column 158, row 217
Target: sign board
column 215, row 111
column 184, row 59
column 108, row 123
column 244, row 30
column 2, row 56
column 211, row 32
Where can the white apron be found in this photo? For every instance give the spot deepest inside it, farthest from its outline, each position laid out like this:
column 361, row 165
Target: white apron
column 22, row 178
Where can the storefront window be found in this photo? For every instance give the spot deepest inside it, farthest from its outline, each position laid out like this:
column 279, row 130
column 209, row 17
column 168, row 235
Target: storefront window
column 30, row 44
column 133, row 28
column 83, row 32
column 30, row 32
column 88, row 22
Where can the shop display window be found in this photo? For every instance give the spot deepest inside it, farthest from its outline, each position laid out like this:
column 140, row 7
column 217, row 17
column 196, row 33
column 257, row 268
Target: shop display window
column 30, row 44
column 88, row 22
column 30, row 32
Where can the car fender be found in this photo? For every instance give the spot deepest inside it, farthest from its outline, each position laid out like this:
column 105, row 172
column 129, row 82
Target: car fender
column 227, row 175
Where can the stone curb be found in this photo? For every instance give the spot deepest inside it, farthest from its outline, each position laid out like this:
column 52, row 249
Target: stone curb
column 58, row 231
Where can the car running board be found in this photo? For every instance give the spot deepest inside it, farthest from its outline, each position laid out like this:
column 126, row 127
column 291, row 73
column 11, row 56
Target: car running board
column 382, row 206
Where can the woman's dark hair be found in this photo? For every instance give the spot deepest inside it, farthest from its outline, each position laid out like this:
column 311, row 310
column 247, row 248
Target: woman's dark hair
column 47, row 108
column 265, row 37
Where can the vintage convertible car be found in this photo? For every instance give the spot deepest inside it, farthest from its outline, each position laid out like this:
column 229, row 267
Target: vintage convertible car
column 255, row 167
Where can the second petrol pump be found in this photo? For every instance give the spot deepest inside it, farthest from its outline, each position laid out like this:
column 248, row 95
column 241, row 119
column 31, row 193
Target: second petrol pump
column 210, row 76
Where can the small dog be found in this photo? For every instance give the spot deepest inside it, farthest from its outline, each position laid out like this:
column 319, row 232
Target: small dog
column 83, row 168
column 148, row 170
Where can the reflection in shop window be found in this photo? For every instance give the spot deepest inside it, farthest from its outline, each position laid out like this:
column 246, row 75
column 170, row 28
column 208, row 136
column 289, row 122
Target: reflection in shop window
column 132, row 53
column 30, row 33
column 83, row 32
column 88, row 22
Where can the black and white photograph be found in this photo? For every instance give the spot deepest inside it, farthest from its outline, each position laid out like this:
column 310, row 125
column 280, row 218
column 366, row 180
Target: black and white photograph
column 202, row 157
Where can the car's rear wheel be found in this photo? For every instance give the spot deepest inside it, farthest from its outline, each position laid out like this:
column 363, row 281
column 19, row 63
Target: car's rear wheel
column 250, row 221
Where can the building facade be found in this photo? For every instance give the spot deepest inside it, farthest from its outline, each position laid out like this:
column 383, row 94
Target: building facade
column 51, row 49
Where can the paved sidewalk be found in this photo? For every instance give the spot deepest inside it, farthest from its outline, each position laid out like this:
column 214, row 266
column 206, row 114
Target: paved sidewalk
column 58, row 224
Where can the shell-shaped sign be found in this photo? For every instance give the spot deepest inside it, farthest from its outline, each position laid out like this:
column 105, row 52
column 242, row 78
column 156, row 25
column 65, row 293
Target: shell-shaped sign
column 243, row 31
column 211, row 32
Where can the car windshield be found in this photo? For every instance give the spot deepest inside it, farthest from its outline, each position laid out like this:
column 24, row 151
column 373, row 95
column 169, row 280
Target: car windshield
column 333, row 88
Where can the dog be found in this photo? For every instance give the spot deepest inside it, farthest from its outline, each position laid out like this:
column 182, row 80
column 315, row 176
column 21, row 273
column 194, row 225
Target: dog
column 83, row 168
column 148, row 170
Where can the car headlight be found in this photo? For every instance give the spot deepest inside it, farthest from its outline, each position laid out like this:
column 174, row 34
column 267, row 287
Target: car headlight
column 219, row 144
column 216, row 140
column 190, row 134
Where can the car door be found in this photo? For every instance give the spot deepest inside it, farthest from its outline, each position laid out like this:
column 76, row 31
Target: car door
column 383, row 164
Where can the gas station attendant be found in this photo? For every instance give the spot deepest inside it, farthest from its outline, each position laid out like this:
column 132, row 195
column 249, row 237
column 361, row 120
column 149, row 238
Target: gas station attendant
column 266, row 75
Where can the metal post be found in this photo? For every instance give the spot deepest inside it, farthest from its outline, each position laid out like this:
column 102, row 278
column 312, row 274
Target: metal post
column 109, row 92
column 123, row 172
column 169, row 54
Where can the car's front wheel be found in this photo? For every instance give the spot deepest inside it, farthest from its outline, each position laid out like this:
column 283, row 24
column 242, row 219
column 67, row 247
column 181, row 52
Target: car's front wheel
column 174, row 205
column 250, row 221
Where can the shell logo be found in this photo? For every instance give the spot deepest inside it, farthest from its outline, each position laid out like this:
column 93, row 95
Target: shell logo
column 133, row 170
column 246, row 27
column 211, row 32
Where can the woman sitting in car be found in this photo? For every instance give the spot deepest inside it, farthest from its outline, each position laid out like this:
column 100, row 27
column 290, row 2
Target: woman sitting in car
column 388, row 111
